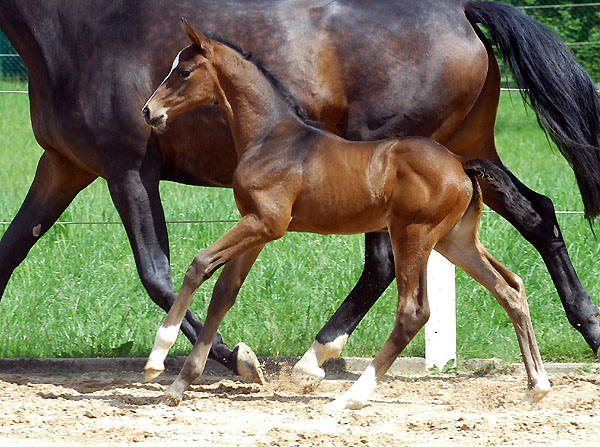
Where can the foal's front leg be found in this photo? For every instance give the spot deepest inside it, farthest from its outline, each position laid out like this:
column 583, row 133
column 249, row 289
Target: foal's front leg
column 248, row 234
column 414, row 245
column 376, row 277
column 223, row 298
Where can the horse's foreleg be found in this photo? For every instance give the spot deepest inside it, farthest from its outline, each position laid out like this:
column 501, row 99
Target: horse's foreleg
column 136, row 197
column 463, row 249
column 544, row 234
column 248, row 234
column 378, row 273
column 57, row 181
column 223, row 298
column 411, row 315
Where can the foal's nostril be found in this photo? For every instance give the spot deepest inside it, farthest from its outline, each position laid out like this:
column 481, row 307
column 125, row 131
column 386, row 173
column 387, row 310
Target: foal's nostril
column 146, row 113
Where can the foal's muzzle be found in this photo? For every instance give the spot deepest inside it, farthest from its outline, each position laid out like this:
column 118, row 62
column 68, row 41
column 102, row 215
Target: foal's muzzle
column 156, row 121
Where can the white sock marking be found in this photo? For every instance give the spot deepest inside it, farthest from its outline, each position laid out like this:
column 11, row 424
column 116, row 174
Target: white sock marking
column 358, row 394
column 165, row 338
column 329, row 350
column 307, row 372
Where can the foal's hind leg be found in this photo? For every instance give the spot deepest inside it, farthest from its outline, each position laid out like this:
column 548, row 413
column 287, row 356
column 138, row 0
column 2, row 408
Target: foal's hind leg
column 462, row 248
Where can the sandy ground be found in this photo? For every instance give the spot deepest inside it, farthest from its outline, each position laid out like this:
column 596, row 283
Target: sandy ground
column 444, row 410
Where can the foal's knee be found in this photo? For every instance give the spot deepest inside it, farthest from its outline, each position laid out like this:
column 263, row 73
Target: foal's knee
column 198, row 272
column 271, row 228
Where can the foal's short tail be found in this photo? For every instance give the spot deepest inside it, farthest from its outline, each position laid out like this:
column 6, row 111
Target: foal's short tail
column 499, row 180
column 558, row 89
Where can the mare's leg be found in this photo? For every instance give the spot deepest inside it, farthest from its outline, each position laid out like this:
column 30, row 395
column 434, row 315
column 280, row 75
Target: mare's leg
column 378, row 273
column 135, row 194
column 463, row 249
column 475, row 139
column 247, row 236
column 57, row 181
column 544, row 234
column 411, row 315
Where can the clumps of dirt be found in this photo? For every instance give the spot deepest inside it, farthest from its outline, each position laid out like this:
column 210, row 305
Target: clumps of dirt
column 461, row 410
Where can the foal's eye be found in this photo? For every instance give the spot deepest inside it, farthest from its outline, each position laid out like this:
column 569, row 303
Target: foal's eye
column 185, row 73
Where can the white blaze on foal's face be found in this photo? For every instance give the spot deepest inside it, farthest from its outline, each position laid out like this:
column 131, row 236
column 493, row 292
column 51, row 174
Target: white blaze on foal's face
column 190, row 83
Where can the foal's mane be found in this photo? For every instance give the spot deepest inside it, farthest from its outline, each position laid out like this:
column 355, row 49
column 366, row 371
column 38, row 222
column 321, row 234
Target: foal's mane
column 289, row 98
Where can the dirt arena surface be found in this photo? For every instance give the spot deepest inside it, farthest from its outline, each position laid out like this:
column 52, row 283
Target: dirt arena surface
column 434, row 410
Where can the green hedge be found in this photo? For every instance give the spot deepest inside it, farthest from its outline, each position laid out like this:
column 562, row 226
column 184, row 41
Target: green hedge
column 10, row 67
column 579, row 25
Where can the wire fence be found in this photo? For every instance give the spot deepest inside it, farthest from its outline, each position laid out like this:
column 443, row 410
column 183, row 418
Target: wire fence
column 215, row 221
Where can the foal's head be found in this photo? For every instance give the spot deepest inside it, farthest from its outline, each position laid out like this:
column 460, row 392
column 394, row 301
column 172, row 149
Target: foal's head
column 191, row 82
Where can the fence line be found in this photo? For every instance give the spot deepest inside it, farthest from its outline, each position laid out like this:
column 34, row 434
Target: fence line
column 223, row 220
column 570, row 5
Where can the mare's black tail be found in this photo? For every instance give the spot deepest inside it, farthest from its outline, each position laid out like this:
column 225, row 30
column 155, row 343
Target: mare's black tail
column 558, row 89
column 499, row 180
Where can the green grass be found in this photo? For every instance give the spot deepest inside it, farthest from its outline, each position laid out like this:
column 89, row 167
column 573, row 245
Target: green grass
column 78, row 293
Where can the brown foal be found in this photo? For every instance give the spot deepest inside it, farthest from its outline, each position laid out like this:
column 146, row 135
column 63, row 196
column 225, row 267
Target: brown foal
column 292, row 176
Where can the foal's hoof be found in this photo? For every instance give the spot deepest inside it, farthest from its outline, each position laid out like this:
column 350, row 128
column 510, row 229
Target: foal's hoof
column 152, row 373
column 247, row 364
column 536, row 393
column 343, row 403
column 171, row 399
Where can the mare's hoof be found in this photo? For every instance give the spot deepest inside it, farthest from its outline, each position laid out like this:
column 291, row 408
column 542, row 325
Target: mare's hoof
column 306, row 376
column 171, row 399
column 248, row 365
column 152, row 373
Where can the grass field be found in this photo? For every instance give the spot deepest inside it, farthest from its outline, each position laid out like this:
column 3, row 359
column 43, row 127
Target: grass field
column 78, row 293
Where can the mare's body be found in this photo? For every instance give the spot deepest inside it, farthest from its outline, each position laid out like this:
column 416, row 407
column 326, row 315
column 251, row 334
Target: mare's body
column 293, row 177
column 369, row 70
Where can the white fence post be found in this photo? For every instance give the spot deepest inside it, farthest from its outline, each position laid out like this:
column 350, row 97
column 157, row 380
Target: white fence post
column 440, row 330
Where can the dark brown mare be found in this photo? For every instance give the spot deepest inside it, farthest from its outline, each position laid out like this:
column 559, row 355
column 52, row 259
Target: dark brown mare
column 294, row 177
column 369, row 70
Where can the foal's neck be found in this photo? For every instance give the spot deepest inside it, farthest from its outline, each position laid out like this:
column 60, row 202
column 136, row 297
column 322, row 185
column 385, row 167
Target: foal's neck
column 253, row 105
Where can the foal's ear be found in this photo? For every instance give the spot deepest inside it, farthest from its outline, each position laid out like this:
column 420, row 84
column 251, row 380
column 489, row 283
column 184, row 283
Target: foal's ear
column 196, row 37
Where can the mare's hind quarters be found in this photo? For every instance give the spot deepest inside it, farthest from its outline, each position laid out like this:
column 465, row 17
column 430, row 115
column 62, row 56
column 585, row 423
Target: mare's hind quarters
column 247, row 363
